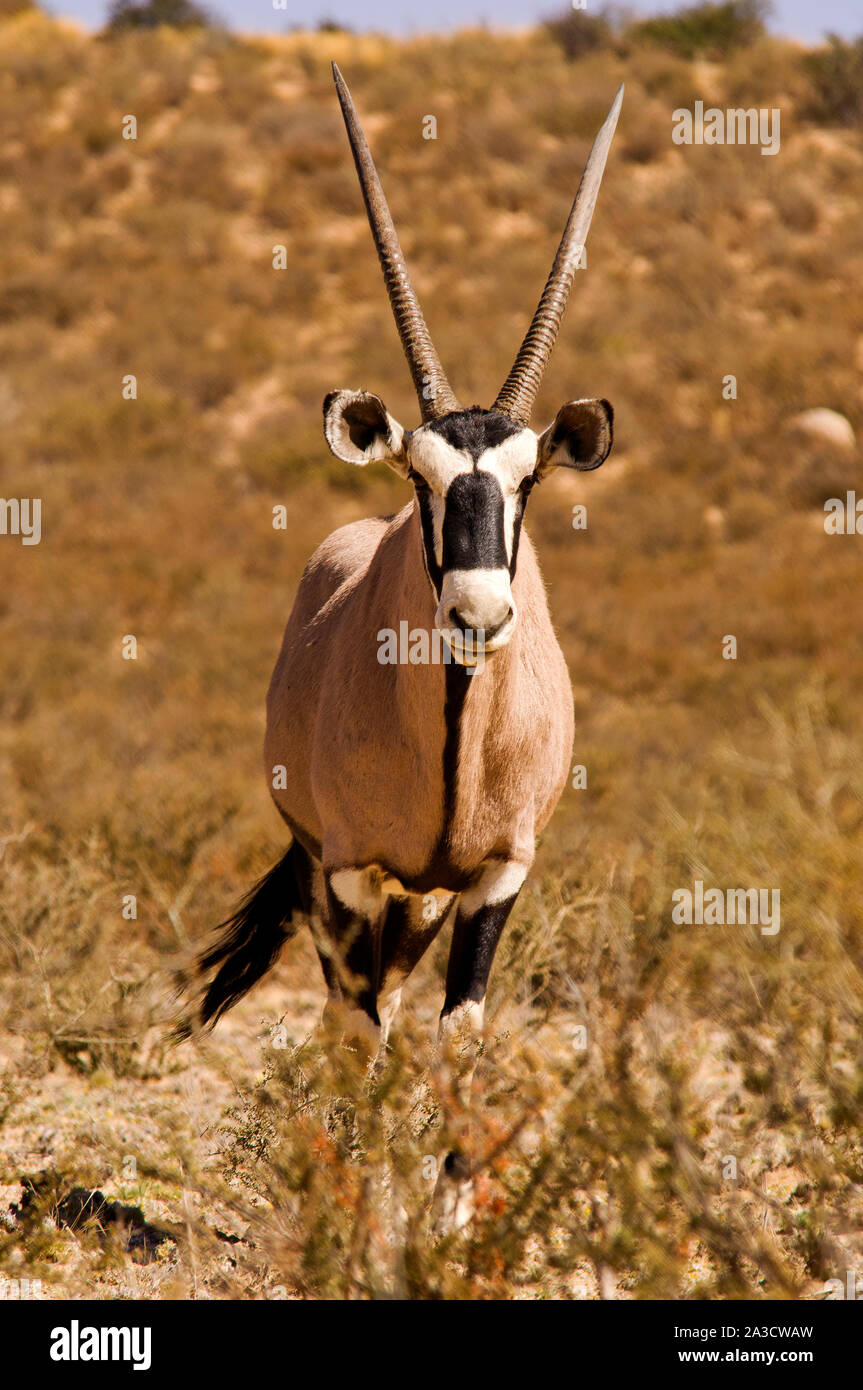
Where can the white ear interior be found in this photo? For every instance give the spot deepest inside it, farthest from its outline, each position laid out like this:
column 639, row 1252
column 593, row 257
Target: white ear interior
column 360, row 430
column 580, row 436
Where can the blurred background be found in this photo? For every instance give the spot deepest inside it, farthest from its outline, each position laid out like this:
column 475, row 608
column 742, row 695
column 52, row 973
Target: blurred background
column 793, row 18
column 133, row 805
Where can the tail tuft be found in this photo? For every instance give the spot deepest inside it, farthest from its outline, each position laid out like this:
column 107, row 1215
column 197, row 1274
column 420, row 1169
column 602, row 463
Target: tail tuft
column 253, row 936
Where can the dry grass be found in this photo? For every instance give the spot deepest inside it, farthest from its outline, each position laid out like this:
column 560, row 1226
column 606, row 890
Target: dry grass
column 278, row 1170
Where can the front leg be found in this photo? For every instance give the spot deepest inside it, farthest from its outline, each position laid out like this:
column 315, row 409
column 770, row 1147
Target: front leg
column 482, row 913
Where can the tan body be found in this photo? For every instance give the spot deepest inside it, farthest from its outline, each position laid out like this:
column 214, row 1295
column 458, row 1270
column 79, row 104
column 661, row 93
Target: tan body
column 363, row 743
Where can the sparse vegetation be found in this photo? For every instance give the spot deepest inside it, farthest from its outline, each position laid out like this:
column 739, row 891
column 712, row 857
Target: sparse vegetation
column 279, row 1170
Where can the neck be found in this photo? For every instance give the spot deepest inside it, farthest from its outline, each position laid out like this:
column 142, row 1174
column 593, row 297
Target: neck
column 459, row 737
column 460, row 702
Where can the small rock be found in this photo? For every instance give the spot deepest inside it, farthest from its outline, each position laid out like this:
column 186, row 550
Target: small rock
column 824, row 427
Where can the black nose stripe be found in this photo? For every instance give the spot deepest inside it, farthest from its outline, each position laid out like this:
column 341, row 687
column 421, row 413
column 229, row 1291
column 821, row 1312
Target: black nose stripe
column 473, row 534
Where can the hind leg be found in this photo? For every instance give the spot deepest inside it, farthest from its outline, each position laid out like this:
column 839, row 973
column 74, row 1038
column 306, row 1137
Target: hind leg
column 350, row 953
column 406, row 926
column 338, row 933
column 369, row 940
column 410, row 926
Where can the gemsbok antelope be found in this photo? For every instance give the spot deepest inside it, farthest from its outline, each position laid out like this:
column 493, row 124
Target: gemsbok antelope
column 414, row 793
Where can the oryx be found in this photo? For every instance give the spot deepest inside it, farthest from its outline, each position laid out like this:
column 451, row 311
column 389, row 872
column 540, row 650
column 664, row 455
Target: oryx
column 414, row 792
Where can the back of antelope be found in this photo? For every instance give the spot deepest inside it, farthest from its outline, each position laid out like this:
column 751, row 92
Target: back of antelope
column 414, row 791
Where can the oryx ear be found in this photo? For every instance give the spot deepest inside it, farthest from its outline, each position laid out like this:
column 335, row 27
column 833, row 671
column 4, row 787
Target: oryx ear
column 580, row 436
column 360, row 430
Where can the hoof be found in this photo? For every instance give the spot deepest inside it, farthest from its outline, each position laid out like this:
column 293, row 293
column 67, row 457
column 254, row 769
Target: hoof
column 454, row 1203
column 351, row 1028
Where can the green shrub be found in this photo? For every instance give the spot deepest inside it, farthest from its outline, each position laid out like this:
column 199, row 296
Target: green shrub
column 836, row 73
column 10, row 8
column 578, row 32
column 710, row 30
column 177, row 14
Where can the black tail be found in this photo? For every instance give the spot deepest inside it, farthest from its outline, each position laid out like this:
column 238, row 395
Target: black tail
column 252, row 938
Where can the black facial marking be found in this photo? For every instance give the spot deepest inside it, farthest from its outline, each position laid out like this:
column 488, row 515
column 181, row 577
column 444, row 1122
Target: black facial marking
column 473, row 535
column 473, row 526
column 520, row 504
column 435, row 573
column 475, row 430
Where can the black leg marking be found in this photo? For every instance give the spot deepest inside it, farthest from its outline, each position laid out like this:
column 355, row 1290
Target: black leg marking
column 474, row 942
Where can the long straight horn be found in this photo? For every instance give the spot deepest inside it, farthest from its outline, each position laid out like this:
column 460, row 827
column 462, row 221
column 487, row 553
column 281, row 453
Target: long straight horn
column 432, row 388
column 518, row 392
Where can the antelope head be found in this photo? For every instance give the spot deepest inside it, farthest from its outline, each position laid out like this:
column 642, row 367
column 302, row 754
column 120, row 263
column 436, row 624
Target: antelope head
column 472, row 469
